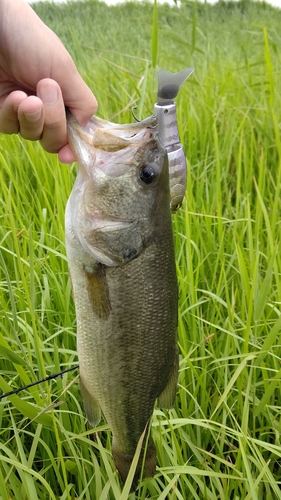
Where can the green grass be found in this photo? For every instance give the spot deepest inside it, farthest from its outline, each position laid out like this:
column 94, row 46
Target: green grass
column 222, row 439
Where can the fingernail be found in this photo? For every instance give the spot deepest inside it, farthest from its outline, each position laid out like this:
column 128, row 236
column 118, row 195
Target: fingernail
column 49, row 95
column 33, row 117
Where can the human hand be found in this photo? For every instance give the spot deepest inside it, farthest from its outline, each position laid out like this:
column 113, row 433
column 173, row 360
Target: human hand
column 38, row 78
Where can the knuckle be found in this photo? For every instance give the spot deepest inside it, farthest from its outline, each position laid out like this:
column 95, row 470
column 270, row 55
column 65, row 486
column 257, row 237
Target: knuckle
column 9, row 126
column 51, row 143
column 9, row 130
column 30, row 134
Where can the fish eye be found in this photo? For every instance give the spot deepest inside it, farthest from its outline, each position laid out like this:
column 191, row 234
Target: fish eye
column 147, row 174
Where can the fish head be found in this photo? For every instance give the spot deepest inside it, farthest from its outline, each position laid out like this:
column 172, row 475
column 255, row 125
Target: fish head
column 122, row 183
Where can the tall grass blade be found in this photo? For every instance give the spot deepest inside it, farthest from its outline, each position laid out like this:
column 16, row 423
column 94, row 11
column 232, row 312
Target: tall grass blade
column 154, row 36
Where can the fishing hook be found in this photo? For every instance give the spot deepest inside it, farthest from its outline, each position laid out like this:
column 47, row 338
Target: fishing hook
column 132, row 110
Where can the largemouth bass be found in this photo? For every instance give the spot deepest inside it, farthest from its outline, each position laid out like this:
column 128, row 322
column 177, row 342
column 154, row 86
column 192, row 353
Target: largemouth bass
column 121, row 260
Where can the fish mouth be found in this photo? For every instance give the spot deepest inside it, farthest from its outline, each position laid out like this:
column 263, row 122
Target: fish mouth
column 111, row 137
column 109, row 149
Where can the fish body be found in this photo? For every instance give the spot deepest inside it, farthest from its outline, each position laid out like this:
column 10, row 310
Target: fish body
column 121, row 260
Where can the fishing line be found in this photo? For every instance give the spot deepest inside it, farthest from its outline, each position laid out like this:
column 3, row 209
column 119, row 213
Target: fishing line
column 50, row 377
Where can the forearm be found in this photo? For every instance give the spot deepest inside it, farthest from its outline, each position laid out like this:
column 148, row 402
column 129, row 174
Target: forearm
column 14, row 14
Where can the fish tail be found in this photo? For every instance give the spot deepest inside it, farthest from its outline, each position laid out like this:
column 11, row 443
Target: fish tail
column 146, row 462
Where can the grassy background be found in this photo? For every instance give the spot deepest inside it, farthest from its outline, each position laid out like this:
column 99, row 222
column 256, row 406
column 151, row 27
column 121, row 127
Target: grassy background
column 222, row 439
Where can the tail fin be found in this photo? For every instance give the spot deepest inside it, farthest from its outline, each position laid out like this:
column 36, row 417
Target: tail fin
column 123, row 462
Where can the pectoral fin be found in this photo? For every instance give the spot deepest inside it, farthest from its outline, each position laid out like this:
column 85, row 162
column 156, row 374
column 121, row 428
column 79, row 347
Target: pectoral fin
column 97, row 289
column 167, row 397
column 91, row 406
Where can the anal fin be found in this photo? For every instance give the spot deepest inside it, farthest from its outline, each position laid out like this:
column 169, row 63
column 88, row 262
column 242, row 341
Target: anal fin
column 91, row 406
